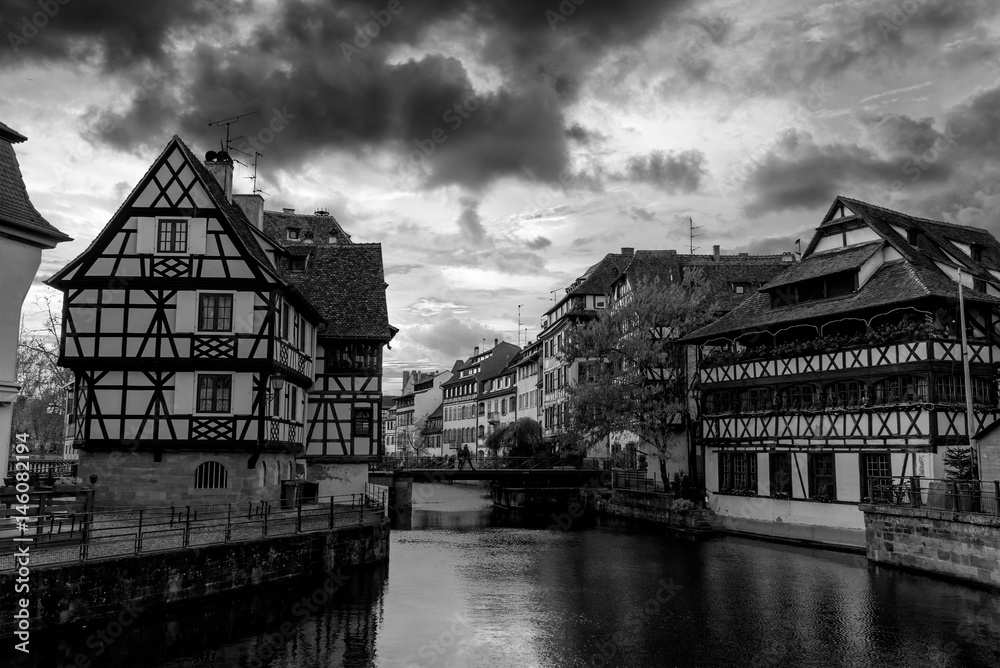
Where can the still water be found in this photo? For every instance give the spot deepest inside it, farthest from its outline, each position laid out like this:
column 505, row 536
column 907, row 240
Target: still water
column 471, row 586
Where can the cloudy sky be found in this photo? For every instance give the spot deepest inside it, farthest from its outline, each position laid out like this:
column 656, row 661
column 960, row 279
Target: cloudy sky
column 498, row 149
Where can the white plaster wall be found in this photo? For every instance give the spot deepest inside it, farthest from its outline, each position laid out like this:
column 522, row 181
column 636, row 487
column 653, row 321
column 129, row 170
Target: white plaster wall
column 338, row 478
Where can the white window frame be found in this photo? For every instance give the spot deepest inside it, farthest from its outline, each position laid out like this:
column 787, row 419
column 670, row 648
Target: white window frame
column 187, row 237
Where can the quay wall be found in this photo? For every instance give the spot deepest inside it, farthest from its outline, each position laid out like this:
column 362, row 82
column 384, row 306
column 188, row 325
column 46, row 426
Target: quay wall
column 71, row 594
column 651, row 507
column 959, row 545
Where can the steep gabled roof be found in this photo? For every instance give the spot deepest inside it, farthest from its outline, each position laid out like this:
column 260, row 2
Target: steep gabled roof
column 16, row 208
column 346, row 284
column 490, row 367
column 899, row 282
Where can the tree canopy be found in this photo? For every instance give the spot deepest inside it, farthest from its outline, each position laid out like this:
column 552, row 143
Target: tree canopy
column 38, row 410
column 631, row 373
column 521, row 438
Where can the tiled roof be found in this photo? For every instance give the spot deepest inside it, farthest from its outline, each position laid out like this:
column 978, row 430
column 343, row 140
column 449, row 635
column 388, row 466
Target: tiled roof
column 16, row 208
column 826, row 263
column 598, row 278
column 667, row 265
column 388, row 402
column 316, row 228
column 490, row 367
column 346, row 284
column 894, row 283
column 8, row 133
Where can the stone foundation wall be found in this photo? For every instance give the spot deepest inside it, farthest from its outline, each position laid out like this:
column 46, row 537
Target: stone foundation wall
column 80, row 593
column 128, row 479
column 959, row 545
column 653, row 508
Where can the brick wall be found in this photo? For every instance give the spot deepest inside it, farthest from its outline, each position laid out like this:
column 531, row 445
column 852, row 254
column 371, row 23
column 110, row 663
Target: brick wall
column 128, row 479
column 960, row 545
column 78, row 593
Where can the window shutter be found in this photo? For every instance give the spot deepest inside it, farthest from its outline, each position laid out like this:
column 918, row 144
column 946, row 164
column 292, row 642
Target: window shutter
column 145, row 235
column 243, row 313
column 197, row 234
column 186, row 313
column 184, row 393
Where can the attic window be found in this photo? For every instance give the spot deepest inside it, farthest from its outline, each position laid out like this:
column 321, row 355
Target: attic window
column 293, row 233
column 977, row 252
column 824, row 287
column 912, row 236
column 740, row 288
column 298, row 263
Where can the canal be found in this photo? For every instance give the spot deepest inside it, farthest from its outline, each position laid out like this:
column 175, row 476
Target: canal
column 472, row 586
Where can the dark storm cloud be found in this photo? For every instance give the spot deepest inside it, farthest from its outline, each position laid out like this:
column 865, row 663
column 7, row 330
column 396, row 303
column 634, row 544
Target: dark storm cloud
column 797, row 172
column 539, row 243
column 900, row 134
column 470, row 223
column 672, row 171
column 321, row 85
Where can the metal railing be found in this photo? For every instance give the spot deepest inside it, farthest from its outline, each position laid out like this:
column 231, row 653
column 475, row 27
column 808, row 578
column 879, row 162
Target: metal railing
column 93, row 535
column 541, row 462
column 637, row 481
column 43, row 470
column 966, row 496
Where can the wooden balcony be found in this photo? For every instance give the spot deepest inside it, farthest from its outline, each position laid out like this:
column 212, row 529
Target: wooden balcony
column 860, row 357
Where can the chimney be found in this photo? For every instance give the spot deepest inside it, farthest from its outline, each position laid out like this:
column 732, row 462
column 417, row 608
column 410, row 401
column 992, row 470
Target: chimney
column 496, row 342
column 406, row 378
column 475, row 351
column 253, row 208
column 628, row 251
column 716, row 252
column 287, row 210
column 221, row 166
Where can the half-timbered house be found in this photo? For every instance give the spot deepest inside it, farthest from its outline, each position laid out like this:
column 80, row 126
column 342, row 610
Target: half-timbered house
column 845, row 368
column 345, row 282
column 191, row 353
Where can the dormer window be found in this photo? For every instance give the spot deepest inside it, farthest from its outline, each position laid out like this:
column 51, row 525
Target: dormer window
column 740, row 288
column 172, row 235
column 298, row 263
column 292, row 234
column 976, row 251
column 824, row 287
column 912, row 236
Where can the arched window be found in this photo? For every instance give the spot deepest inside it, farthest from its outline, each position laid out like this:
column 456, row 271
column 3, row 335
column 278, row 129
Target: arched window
column 277, row 472
column 845, row 394
column 899, row 390
column 210, row 475
column 262, row 473
column 291, row 466
column 482, row 431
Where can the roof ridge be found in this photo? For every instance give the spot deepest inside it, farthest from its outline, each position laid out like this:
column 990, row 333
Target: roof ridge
column 971, row 228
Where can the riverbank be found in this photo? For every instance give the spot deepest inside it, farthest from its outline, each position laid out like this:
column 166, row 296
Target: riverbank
column 68, row 595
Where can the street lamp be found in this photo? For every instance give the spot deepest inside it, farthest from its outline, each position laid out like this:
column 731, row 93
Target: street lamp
column 277, row 382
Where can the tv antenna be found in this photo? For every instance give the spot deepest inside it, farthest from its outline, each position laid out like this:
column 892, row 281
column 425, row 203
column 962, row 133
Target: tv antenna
column 227, row 122
column 691, row 235
column 554, row 300
column 253, row 179
column 519, row 324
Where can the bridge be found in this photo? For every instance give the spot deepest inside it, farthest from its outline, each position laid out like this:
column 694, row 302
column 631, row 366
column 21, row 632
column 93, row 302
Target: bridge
column 520, row 480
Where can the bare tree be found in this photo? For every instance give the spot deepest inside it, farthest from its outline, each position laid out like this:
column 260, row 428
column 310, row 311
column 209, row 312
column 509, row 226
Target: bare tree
column 39, row 407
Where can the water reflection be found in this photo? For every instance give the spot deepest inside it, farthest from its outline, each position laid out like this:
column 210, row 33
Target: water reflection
column 471, row 586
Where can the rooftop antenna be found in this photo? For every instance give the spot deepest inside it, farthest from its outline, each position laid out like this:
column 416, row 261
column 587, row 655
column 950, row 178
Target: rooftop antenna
column 227, row 122
column 554, row 300
column 691, row 228
column 519, row 325
column 255, row 189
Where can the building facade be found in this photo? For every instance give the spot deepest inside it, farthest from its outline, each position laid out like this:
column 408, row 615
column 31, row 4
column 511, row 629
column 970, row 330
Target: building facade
column 527, row 384
column 24, row 234
column 848, row 368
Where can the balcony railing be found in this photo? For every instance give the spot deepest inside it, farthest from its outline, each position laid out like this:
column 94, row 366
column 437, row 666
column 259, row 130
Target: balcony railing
column 962, row 496
column 857, row 357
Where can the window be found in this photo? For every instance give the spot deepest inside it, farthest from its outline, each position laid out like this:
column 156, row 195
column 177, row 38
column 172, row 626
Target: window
column 740, row 289
column 171, row 236
column 717, row 402
column 210, row 475
column 756, row 399
column 214, row 392
column 781, row 475
column 215, row 313
column 276, row 404
column 361, row 421
column 799, row 397
column 876, row 469
column 738, row 472
column 351, row 356
column 482, row 409
column 845, row 394
column 826, row 287
column 284, row 320
column 292, row 233
column 297, row 263
column 512, row 405
column 293, row 413
column 976, row 251
column 822, row 477
column 899, row 390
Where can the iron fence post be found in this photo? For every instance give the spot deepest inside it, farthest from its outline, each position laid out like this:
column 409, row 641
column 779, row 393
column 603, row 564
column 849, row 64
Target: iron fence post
column 915, row 500
column 263, row 527
column 138, row 534
column 298, row 517
column 996, row 496
column 187, row 527
column 229, row 522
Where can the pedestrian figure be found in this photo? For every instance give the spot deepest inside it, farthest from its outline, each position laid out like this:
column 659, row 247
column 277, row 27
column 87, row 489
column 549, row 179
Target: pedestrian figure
column 643, row 465
column 465, row 457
